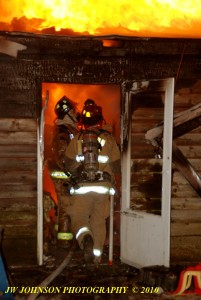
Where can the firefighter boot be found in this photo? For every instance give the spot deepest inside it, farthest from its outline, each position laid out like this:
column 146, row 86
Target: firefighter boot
column 64, row 235
column 88, row 248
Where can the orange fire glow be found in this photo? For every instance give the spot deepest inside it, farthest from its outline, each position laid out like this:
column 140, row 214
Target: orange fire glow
column 156, row 18
column 107, row 96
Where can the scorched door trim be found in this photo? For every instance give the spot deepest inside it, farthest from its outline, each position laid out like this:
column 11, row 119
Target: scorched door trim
column 40, row 156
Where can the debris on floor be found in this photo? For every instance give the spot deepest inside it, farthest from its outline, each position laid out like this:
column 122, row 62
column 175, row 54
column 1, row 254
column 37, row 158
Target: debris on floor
column 94, row 282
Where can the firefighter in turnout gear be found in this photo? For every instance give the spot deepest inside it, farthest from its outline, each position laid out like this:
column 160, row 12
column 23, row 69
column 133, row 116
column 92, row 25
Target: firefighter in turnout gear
column 65, row 129
column 93, row 158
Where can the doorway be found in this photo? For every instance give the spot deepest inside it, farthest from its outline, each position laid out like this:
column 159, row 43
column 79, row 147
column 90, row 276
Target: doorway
column 105, row 95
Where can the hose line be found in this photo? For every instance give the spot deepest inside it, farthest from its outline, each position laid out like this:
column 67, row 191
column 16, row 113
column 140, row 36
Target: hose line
column 55, row 273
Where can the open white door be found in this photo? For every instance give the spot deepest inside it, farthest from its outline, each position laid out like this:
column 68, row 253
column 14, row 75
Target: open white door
column 146, row 173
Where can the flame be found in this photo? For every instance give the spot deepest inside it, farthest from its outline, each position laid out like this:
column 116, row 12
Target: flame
column 125, row 17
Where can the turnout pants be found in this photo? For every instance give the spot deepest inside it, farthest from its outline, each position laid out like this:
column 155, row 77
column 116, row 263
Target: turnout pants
column 89, row 212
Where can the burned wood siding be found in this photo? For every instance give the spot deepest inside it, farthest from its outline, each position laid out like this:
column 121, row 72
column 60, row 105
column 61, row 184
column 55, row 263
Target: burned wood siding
column 20, row 91
column 186, row 203
column 20, row 105
column 146, row 174
column 18, row 185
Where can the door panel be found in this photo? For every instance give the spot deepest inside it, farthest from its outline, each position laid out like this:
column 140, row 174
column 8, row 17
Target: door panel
column 146, row 176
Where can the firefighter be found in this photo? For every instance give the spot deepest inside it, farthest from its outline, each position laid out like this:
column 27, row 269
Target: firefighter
column 65, row 129
column 93, row 158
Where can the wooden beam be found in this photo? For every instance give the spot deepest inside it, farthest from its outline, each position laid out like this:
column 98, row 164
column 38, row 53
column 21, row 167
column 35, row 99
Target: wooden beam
column 183, row 122
column 185, row 167
column 10, row 48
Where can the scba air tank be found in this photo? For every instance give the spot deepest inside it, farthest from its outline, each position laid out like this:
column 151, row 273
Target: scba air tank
column 90, row 150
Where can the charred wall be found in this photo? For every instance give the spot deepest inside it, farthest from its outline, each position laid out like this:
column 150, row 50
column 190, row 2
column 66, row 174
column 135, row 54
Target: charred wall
column 86, row 60
column 186, row 202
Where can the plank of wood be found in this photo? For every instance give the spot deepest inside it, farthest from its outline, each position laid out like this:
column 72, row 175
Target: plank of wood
column 18, row 177
column 23, row 150
column 185, row 203
column 18, row 125
column 191, row 138
column 191, row 151
column 184, row 216
column 18, row 164
column 20, row 231
column 15, row 194
column 18, row 204
column 185, row 249
column 187, row 115
column 21, row 218
column 18, row 138
column 185, row 229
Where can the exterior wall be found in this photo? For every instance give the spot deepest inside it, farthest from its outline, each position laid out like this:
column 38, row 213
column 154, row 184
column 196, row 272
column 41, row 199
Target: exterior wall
column 74, row 60
column 18, row 178
column 186, row 203
column 146, row 175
